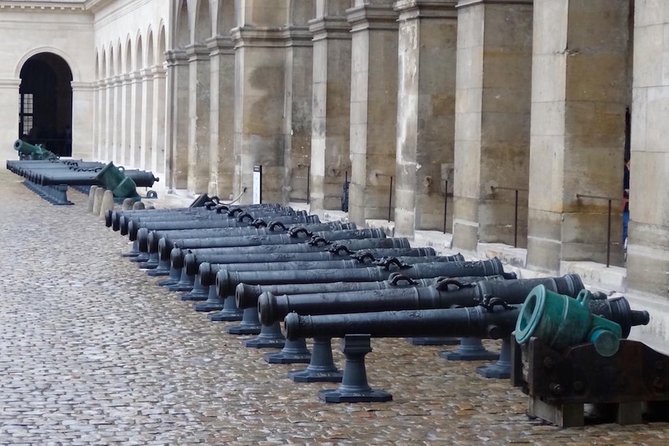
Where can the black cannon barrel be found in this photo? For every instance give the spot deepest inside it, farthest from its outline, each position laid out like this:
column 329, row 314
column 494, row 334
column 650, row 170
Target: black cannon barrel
column 481, row 322
column 276, row 239
column 202, row 203
column 209, row 270
column 191, row 260
column 168, row 256
column 73, row 177
column 341, row 247
column 247, row 295
column 150, row 239
column 121, row 219
column 204, row 212
column 213, row 223
column 200, row 219
column 226, row 281
column 274, row 308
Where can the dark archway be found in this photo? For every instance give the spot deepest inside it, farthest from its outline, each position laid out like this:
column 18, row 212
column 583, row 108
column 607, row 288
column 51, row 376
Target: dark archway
column 45, row 103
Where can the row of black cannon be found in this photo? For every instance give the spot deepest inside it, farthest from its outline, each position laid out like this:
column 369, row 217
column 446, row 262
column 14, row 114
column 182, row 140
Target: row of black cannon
column 50, row 178
column 264, row 264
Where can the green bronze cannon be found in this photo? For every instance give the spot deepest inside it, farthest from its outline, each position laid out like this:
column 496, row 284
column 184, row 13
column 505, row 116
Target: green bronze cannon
column 33, row 152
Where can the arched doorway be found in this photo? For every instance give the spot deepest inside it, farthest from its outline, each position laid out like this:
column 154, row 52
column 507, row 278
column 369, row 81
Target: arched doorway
column 45, row 103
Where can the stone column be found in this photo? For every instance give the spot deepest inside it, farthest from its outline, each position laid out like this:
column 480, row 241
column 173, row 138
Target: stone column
column 222, row 116
column 117, row 149
column 648, row 242
column 177, row 124
column 9, row 94
column 373, row 107
column 158, row 122
column 579, row 96
column 146, row 119
column 83, row 107
column 297, row 122
column 125, row 118
column 425, row 112
column 259, row 109
column 330, row 119
column 135, row 119
column 100, row 120
column 108, row 119
column 492, row 121
column 198, row 117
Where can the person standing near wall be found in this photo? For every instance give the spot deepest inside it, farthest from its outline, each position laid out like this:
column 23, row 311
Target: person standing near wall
column 626, row 195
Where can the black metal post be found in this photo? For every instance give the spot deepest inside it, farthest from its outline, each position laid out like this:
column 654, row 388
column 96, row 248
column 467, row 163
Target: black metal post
column 390, row 198
column 445, row 203
column 515, row 222
column 608, row 238
column 308, row 184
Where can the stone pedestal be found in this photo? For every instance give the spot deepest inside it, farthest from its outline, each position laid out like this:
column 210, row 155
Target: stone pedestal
column 373, row 108
column 222, row 115
column 198, row 118
column 648, row 243
column 177, row 156
column 425, row 112
column 330, row 119
column 492, row 124
column 579, row 97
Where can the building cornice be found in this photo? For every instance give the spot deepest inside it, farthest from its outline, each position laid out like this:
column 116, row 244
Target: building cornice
column 331, row 28
column 426, row 9
column 23, row 5
column 372, row 17
column 467, row 3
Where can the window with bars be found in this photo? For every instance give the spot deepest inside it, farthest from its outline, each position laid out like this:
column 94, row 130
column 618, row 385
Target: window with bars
column 26, row 120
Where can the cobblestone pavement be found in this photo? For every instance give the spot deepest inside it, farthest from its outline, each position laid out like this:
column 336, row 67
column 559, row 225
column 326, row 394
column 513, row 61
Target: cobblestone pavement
column 93, row 352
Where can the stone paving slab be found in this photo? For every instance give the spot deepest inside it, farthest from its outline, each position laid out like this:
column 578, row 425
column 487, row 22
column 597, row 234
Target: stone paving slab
column 93, row 352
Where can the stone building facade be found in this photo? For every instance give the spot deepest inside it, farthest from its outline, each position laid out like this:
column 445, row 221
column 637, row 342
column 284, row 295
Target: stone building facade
column 503, row 121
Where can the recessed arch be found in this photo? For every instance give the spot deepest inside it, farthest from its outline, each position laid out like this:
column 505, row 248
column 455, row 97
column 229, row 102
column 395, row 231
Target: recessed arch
column 128, row 55
column 225, row 18
column 74, row 69
column 150, row 50
column 139, row 54
column 45, row 102
column 118, row 60
column 182, row 33
column 162, row 44
column 202, row 28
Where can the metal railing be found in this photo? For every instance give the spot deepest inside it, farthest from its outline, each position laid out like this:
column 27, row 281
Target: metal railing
column 608, row 225
column 515, row 209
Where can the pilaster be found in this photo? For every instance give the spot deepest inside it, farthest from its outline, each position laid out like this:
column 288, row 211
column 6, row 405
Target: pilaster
column 146, row 142
column 177, row 119
column 373, row 109
column 259, row 111
column 330, row 118
column 222, row 116
column 492, row 132
column 425, row 112
column 579, row 97
column 198, row 118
